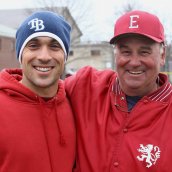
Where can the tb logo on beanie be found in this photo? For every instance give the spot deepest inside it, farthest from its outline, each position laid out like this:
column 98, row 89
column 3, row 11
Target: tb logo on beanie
column 43, row 23
column 37, row 24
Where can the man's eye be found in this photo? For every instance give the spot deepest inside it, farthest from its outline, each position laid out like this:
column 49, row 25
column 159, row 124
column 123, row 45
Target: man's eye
column 32, row 45
column 55, row 46
column 144, row 53
column 126, row 52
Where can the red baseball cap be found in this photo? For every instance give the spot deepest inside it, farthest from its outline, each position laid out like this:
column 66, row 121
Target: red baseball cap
column 138, row 22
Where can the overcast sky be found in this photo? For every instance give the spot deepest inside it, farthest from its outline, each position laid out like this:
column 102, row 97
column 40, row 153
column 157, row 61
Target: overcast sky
column 104, row 14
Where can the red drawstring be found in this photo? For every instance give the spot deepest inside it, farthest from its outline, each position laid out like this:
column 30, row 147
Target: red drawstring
column 62, row 139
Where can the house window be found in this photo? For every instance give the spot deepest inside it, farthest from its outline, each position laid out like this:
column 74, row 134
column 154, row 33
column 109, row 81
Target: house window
column 95, row 52
column 71, row 53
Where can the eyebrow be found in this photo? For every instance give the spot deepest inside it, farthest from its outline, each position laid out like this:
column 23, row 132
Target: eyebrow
column 122, row 46
column 54, row 40
column 37, row 39
column 34, row 39
column 142, row 47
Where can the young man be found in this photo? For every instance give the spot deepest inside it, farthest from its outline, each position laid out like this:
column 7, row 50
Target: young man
column 124, row 118
column 37, row 132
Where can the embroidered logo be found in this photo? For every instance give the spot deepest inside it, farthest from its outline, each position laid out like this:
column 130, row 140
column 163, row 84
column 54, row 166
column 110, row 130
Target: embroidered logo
column 133, row 21
column 36, row 24
column 149, row 154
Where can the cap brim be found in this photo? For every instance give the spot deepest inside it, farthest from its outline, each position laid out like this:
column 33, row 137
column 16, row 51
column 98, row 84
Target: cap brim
column 116, row 38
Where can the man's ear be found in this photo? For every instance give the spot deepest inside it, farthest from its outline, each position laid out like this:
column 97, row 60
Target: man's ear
column 163, row 55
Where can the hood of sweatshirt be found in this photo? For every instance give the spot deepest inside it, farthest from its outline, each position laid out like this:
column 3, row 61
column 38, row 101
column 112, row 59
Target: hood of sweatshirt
column 9, row 83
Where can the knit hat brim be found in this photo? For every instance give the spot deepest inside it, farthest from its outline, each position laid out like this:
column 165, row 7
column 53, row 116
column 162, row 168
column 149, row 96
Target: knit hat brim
column 38, row 34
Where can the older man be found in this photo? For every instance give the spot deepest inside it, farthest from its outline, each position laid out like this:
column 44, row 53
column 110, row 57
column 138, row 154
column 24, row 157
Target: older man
column 124, row 118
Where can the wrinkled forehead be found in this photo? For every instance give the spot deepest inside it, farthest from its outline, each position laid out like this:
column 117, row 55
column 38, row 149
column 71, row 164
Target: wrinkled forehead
column 129, row 38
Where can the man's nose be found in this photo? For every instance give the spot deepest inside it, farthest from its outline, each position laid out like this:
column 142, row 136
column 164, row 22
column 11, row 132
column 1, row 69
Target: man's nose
column 44, row 54
column 135, row 60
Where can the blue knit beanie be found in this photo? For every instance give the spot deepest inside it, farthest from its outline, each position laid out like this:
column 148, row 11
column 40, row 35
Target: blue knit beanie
column 43, row 23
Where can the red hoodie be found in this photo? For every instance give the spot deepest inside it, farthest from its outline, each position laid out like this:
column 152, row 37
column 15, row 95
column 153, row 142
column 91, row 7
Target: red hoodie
column 35, row 136
column 110, row 139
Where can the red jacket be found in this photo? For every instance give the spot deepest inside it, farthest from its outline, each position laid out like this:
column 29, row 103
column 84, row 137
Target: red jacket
column 110, row 139
column 35, row 136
